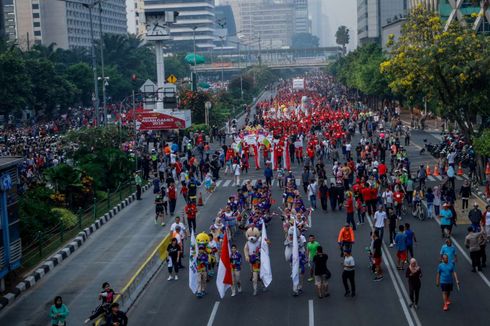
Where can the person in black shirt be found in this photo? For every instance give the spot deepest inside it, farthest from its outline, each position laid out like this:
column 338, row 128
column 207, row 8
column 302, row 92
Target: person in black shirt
column 322, row 274
column 174, row 253
column 377, row 253
column 116, row 317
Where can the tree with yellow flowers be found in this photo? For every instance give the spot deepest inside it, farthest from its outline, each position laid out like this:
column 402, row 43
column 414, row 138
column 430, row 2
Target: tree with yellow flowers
column 451, row 68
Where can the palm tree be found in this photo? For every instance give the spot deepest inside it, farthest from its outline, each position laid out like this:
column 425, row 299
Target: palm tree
column 342, row 37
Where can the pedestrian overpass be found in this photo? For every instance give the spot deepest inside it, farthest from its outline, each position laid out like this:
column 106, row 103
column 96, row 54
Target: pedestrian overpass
column 221, row 60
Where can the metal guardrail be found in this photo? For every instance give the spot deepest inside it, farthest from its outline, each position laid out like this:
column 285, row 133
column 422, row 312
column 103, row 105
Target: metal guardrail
column 143, row 275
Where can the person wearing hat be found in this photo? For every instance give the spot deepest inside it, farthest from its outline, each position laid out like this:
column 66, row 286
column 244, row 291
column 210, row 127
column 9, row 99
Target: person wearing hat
column 348, row 274
column 475, row 216
column 345, row 239
column 446, row 217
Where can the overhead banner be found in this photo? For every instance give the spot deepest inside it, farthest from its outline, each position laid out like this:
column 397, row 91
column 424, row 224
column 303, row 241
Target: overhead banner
column 146, row 121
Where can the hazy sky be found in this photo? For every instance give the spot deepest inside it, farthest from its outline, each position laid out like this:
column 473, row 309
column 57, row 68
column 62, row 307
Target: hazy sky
column 342, row 12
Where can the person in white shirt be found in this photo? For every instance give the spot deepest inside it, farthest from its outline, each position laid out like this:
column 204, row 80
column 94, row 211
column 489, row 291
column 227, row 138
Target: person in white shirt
column 379, row 221
column 348, row 148
column 235, row 168
column 312, row 191
column 174, row 225
column 348, row 274
column 388, row 198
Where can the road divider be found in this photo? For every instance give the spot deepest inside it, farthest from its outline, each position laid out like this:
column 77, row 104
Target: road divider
column 145, row 273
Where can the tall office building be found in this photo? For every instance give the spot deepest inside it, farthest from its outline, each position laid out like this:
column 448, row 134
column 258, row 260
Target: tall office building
column 192, row 13
column 432, row 5
column 67, row 24
column 8, row 20
column 2, row 20
column 372, row 15
column 319, row 21
column 135, row 11
column 301, row 20
column 267, row 23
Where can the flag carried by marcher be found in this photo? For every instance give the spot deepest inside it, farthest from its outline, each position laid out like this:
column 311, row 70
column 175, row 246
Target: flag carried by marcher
column 193, row 281
column 295, row 257
column 265, row 262
column 224, row 279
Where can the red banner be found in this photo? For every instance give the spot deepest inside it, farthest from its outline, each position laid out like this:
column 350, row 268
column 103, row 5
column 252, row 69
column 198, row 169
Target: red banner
column 146, row 121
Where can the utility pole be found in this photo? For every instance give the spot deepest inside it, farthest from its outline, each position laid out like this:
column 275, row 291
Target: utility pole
column 194, row 77
column 104, row 99
column 94, row 66
column 135, row 132
column 260, row 51
column 222, row 66
column 240, row 67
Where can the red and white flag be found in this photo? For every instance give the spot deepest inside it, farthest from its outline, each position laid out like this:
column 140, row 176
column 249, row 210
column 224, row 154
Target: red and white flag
column 224, row 278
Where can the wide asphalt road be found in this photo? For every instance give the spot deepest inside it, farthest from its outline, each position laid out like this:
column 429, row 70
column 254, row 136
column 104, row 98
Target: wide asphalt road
column 385, row 302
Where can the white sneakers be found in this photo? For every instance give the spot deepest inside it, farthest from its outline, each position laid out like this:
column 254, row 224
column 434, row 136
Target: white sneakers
column 176, row 277
column 169, row 278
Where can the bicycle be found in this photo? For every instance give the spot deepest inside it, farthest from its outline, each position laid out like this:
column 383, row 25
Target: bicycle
column 419, row 212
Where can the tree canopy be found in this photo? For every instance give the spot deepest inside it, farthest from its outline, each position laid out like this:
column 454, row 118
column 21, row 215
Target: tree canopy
column 451, row 67
column 342, row 36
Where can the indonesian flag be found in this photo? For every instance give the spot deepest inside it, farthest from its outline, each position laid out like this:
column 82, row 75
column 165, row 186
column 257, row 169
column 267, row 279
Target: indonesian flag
column 193, row 282
column 295, row 258
column 224, row 278
column 265, row 262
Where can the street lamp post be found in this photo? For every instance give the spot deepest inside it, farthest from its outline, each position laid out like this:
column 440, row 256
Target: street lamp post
column 222, row 66
column 104, row 99
column 92, row 53
column 195, row 61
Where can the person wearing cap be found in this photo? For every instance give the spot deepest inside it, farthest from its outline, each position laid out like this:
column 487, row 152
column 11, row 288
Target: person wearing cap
column 346, row 238
column 472, row 242
column 446, row 217
column 475, row 216
column 348, row 274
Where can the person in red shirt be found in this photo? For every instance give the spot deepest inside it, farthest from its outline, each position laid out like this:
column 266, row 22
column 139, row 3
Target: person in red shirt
column 191, row 213
column 349, row 207
column 366, row 197
column 398, row 197
column 382, row 171
column 172, row 198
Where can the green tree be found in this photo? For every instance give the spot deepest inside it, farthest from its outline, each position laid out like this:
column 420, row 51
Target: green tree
column 342, row 37
column 450, row 67
column 15, row 81
column 80, row 75
column 305, row 41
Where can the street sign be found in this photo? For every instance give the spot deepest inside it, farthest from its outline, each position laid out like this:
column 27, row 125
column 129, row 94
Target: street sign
column 172, row 79
column 148, row 87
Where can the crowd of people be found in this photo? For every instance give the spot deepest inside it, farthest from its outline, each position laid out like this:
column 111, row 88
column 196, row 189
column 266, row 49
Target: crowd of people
column 371, row 177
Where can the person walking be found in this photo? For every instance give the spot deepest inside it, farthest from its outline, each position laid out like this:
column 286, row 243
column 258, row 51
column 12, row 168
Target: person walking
column 472, row 242
column 392, row 219
column 379, row 221
column 348, row 274
column 172, row 198
column 174, row 254
column 377, row 256
column 322, row 274
column 475, row 216
column 465, row 193
column 268, row 174
column 312, row 193
column 345, row 239
column 191, row 213
column 401, row 247
column 349, row 208
column 58, row 312
column 116, row 317
column 311, row 250
column 236, row 267
column 414, row 274
column 236, row 169
column 445, row 278
column 139, row 182
column 411, row 239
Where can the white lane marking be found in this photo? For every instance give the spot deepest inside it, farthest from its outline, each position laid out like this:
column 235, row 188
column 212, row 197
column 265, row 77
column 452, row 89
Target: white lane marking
column 226, row 183
column 245, row 182
column 311, row 314
column 272, row 183
column 465, row 255
column 298, row 182
column 254, row 182
column 458, row 177
column 431, row 178
column 400, row 290
column 213, row 314
column 438, row 177
column 218, row 183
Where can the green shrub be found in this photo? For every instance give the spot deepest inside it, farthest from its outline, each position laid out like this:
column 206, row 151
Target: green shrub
column 101, row 195
column 66, row 217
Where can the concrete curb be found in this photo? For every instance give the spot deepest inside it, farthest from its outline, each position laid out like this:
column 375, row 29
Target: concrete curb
column 48, row 265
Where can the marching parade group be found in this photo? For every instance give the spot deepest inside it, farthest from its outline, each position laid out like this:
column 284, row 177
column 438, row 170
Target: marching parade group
column 371, row 178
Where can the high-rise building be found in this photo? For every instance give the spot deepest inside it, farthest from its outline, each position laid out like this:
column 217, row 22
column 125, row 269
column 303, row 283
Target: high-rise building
column 135, row 11
column 301, row 20
column 66, row 24
column 198, row 14
column 432, row 5
column 8, row 20
column 267, row 23
column 319, row 21
column 2, row 20
column 372, row 15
